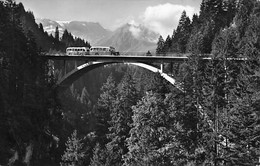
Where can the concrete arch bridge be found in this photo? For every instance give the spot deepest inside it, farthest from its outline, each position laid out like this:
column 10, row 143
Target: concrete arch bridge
column 93, row 62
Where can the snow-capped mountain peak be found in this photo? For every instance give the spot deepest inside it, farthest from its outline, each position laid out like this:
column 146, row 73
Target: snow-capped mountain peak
column 129, row 37
column 63, row 23
column 89, row 31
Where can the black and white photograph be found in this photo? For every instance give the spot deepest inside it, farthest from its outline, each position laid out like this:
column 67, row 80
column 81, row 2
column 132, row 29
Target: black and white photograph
column 129, row 82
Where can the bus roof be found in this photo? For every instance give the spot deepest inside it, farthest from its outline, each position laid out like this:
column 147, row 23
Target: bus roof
column 101, row 47
column 76, row 47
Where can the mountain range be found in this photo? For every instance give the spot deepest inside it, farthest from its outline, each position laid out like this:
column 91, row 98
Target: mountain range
column 127, row 38
column 131, row 38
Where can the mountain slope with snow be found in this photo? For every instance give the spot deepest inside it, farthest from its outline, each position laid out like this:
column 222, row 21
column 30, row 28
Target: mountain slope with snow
column 89, row 31
column 131, row 38
column 128, row 38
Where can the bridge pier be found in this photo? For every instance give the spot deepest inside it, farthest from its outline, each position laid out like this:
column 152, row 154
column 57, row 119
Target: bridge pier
column 75, row 64
column 64, row 65
column 161, row 68
column 171, row 67
column 51, row 69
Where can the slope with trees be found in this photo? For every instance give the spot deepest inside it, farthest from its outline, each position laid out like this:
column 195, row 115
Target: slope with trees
column 29, row 106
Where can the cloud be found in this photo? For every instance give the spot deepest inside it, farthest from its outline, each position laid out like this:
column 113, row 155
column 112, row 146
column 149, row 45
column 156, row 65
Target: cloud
column 164, row 18
column 134, row 28
column 121, row 21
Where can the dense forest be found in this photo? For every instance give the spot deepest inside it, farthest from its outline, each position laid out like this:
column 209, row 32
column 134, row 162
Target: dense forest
column 123, row 115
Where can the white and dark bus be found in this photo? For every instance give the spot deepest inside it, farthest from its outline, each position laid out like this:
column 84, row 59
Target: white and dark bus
column 101, row 50
column 77, row 51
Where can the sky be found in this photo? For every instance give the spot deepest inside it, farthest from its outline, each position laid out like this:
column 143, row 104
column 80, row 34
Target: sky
column 161, row 16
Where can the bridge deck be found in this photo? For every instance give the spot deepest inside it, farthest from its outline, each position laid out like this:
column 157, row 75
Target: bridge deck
column 106, row 58
column 128, row 58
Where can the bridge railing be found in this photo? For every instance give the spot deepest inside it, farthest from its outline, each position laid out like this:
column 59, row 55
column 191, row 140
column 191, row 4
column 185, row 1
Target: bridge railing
column 121, row 53
column 151, row 54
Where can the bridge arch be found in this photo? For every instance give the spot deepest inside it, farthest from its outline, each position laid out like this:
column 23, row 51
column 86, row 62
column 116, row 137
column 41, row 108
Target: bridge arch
column 73, row 75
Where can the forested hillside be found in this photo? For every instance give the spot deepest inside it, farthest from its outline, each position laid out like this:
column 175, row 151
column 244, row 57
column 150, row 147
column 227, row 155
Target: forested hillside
column 123, row 115
column 31, row 113
column 28, row 105
column 196, row 34
column 214, row 119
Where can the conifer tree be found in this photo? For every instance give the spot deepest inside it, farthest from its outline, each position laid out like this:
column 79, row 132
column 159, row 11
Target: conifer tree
column 100, row 157
column 181, row 35
column 158, row 84
column 211, row 10
column 67, row 38
column 160, row 46
column 148, row 53
column 152, row 138
column 229, row 12
column 167, row 45
column 57, row 36
column 74, row 154
column 200, row 41
column 245, row 8
column 121, row 118
column 195, row 43
column 41, row 27
column 104, row 108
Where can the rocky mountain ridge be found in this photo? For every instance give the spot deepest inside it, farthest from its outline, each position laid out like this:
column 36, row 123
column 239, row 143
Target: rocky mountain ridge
column 127, row 38
column 89, row 31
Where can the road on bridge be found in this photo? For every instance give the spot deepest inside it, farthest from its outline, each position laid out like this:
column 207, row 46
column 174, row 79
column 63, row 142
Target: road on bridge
column 128, row 58
column 109, row 58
